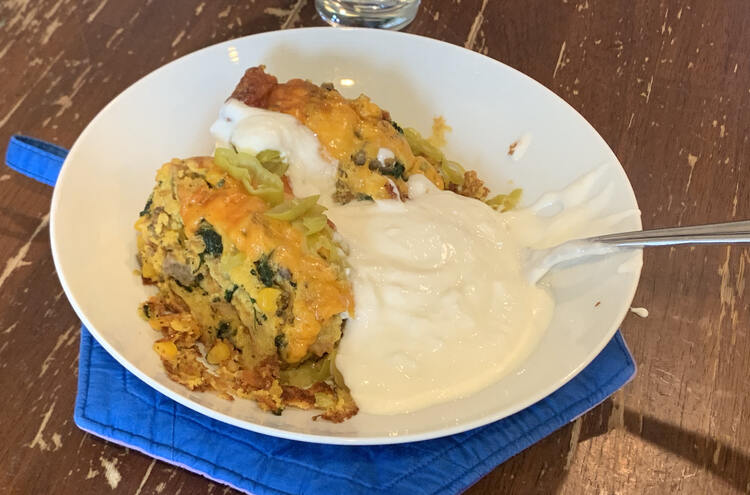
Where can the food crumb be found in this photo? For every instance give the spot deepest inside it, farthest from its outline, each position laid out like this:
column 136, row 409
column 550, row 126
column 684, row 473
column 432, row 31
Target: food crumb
column 439, row 129
column 518, row 148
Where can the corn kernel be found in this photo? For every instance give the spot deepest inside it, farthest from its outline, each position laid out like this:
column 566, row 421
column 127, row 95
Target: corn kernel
column 148, row 271
column 179, row 325
column 219, row 352
column 213, row 176
column 171, row 237
column 166, row 349
column 267, row 299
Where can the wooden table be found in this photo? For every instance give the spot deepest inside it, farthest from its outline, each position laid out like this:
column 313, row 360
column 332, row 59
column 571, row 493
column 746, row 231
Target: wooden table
column 667, row 83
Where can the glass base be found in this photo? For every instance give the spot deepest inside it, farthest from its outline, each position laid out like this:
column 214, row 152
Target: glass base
column 385, row 14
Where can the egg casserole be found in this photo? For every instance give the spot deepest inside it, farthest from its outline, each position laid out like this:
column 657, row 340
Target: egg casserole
column 253, row 294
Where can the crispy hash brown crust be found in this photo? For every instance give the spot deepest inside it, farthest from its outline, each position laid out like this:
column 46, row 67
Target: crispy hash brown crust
column 255, row 87
column 186, row 365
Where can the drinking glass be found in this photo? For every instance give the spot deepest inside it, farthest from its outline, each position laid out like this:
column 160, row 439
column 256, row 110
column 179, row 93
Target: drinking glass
column 384, row 14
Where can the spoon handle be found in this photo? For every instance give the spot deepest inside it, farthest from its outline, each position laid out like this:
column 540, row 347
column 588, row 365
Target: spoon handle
column 717, row 233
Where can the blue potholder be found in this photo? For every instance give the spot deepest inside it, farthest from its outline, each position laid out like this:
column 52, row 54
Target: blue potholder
column 114, row 404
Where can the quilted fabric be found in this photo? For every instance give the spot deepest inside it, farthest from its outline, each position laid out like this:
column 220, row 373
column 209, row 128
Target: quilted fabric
column 114, row 404
column 35, row 158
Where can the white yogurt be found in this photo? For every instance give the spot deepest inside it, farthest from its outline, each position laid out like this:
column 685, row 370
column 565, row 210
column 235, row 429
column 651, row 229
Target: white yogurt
column 444, row 303
column 249, row 129
column 442, row 306
column 642, row 312
column 385, row 154
column 573, row 212
column 538, row 263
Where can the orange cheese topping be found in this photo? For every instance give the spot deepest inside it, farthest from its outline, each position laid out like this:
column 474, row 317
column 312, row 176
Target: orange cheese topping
column 238, row 217
column 345, row 127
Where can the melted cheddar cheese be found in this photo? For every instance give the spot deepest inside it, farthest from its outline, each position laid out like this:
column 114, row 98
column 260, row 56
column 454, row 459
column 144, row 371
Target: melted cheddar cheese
column 347, row 128
column 238, row 217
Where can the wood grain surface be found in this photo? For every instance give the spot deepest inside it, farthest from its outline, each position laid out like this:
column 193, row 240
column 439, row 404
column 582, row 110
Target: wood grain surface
column 666, row 83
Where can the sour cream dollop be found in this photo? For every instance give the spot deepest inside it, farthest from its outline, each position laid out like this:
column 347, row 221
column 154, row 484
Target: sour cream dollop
column 249, row 129
column 442, row 306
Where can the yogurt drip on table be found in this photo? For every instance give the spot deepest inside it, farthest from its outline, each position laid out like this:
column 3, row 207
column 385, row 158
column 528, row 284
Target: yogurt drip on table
column 443, row 307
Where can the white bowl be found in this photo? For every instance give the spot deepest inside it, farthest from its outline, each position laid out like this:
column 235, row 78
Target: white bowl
column 110, row 171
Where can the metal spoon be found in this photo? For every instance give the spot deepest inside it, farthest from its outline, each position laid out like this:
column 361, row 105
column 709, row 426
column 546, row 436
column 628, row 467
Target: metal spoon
column 540, row 261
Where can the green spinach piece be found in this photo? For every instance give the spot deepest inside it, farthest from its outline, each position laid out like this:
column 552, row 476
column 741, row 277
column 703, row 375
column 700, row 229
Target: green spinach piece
column 147, row 209
column 211, row 239
column 223, row 331
column 229, row 293
column 265, row 271
column 396, row 170
column 280, row 341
